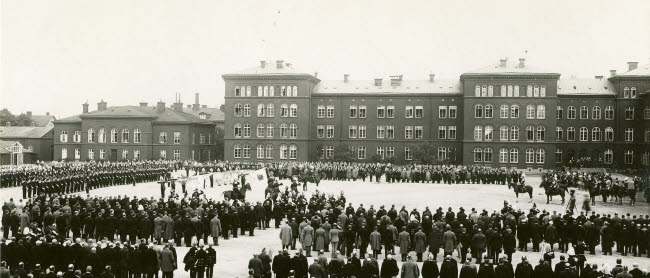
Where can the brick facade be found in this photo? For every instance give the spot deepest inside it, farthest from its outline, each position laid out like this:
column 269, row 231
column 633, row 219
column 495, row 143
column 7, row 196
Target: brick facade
column 516, row 124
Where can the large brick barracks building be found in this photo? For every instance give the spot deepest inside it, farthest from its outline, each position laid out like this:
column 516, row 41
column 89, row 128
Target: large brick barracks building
column 508, row 114
column 126, row 133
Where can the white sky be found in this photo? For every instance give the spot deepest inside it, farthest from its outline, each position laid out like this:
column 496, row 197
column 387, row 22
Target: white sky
column 57, row 54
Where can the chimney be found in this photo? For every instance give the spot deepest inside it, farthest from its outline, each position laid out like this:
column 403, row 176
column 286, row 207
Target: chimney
column 288, row 65
column 522, row 62
column 279, row 64
column 196, row 105
column 612, row 73
column 316, row 74
column 85, row 108
column 47, row 113
column 101, row 106
column 262, row 64
column 599, row 77
column 29, row 113
column 8, row 124
column 378, row 81
column 632, row 65
column 222, row 107
column 346, row 78
column 143, row 104
column 160, row 107
column 502, row 63
column 396, row 80
column 432, row 77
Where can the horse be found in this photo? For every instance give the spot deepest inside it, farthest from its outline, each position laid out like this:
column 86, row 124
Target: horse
column 521, row 188
column 229, row 194
column 550, row 191
column 313, row 178
column 272, row 191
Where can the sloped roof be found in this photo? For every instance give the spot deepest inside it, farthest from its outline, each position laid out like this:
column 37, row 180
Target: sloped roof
column 510, row 68
column 271, row 68
column 149, row 112
column 643, row 70
column 24, row 131
column 588, row 86
column 439, row 86
column 71, row 119
column 5, row 146
column 42, row 120
column 215, row 114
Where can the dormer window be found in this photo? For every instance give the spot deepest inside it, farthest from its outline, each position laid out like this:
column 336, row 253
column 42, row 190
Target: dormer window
column 203, row 116
column 396, row 80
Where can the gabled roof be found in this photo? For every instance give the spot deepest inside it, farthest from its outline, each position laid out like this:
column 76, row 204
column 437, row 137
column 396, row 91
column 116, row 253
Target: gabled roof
column 214, row 114
column 6, row 146
column 510, row 68
column 641, row 71
column 24, row 131
column 42, row 120
column 439, row 86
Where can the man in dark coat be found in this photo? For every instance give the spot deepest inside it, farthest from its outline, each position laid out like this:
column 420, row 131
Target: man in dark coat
column 281, row 264
column 524, row 269
column 210, row 261
column 389, row 267
column 449, row 268
column 468, row 270
column 486, row 269
column 299, row 264
column 255, row 264
column 503, row 270
column 430, row 267
column 543, row 270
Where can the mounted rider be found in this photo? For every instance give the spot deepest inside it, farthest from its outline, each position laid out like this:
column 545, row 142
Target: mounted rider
column 235, row 190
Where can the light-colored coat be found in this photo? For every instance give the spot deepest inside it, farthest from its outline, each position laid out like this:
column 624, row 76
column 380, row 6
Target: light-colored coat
column 449, row 241
column 320, row 239
column 167, row 260
column 375, row 240
column 404, row 242
column 215, row 227
column 285, row 235
column 307, row 236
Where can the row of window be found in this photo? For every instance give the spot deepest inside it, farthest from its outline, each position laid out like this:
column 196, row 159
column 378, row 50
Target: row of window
column 596, row 113
column 124, row 154
column 480, row 154
column 266, row 91
column 629, row 92
column 244, row 151
column 383, row 132
column 266, row 110
column 360, row 152
column 596, row 134
column 512, row 133
column 608, row 157
column 512, row 111
column 510, row 156
column 509, row 91
column 383, row 111
column 101, row 136
column 123, row 137
column 286, row 131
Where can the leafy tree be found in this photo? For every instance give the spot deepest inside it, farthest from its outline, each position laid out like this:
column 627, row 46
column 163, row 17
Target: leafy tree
column 319, row 151
column 425, row 154
column 20, row 120
column 218, row 143
column 375, row 158
column 389, row 159
column 342, row 153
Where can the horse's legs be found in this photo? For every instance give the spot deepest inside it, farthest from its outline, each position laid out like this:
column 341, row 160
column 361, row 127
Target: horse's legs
column 548, row 198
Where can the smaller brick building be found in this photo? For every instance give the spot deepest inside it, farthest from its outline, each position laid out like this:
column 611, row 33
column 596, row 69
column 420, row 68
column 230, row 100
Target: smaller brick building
column 121, row 133
column 35, row 140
